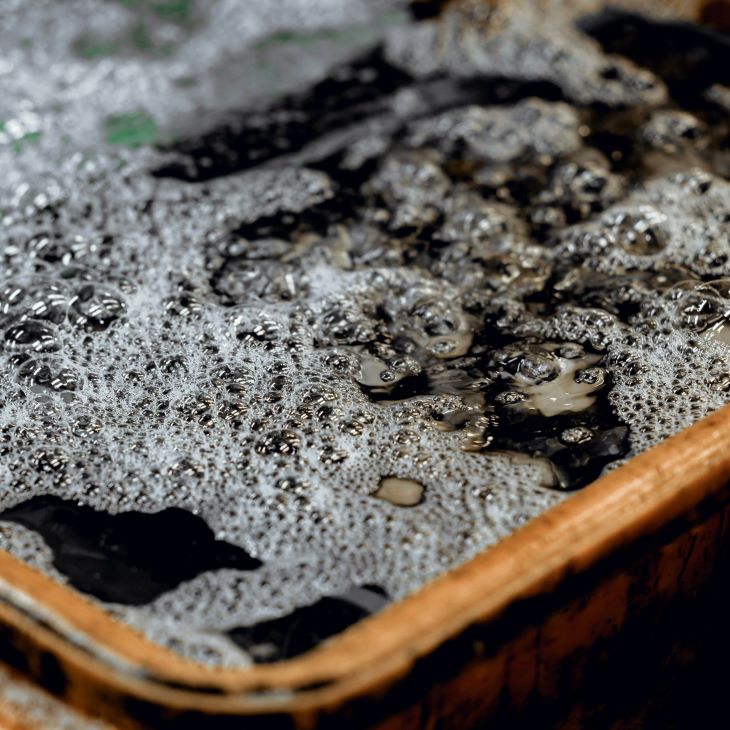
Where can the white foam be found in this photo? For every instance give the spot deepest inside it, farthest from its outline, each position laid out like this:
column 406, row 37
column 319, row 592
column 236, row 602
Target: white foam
column 252, row 415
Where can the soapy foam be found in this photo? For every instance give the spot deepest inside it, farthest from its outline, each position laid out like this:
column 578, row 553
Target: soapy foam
column 284, row 350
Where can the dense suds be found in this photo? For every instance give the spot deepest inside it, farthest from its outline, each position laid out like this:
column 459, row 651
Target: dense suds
column 343, row 304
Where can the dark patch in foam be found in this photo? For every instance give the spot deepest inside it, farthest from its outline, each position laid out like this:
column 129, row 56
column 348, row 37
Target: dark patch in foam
column 578, row 463
column 306, row 627
column 688, row 58
column 352, row 93
column 355, row 92
column 129, row 558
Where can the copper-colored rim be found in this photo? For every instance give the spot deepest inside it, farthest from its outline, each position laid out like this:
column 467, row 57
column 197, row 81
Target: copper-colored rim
column 649, row 491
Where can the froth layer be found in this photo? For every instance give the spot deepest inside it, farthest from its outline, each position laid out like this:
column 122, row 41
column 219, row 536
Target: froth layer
column 364, row 357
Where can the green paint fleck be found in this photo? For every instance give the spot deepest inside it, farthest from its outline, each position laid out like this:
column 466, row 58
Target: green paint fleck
column 18, row 145
column 181, row 12
column 87, row 46
column 141, row 39
column 176, row 11
column 137, row 36
column 286, row 37
column 186, row 81
column 130, row 130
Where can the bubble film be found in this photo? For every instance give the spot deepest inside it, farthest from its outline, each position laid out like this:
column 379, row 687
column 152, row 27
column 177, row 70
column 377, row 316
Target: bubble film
column 302, row 307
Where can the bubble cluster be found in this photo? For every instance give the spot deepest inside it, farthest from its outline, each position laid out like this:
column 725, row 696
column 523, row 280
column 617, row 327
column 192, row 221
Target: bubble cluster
column 363, row 331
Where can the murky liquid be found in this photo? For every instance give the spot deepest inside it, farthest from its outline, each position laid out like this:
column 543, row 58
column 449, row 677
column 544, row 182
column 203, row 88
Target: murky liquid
column 279, row 348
